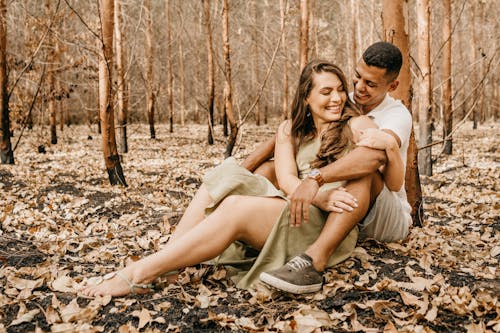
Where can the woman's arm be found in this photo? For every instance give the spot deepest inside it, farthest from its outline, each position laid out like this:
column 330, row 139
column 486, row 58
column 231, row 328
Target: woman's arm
column 284, row 159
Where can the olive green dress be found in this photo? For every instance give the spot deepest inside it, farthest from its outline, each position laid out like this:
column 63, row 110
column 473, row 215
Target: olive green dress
column 284, row 242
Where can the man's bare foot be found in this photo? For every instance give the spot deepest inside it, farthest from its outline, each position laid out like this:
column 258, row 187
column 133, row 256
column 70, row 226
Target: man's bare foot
column 115, row 284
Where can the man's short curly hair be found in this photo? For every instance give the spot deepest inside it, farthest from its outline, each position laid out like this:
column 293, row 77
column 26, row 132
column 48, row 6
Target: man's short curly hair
column 384, row 55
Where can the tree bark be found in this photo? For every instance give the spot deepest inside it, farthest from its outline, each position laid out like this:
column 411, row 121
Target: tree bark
column 111, row 157
column 473, row 46
column 394, row 22
column 51, row 82
column 170, row 80
column 122, row 85
column 446, row 78
column 354, row 40
column 303, row 33
column 210, row 61
column 6, row 153
column 150, row 98
column 182, row 102
column 256, row 62
column 227, row 83
column 424, row 84
column 284, row 105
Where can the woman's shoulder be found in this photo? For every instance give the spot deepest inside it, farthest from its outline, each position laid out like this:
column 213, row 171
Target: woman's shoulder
column 285, row 127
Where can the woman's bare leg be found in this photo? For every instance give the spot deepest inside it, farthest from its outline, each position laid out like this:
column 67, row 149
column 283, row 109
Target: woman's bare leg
column 194, row 214
column 245, row 218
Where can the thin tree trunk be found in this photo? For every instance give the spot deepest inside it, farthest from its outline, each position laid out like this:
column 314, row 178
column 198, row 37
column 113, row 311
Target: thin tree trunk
column 482, row 66
column 111, row 157
column 210, row 61
column 150, row 108
column 60, row 105
column 354, row 35
column 303, row 33
column 227, row 84
column 283, row 13
column 170, row 80
column 424, row 83
column 122, row 86
column 394, row 19
column 473, row 46
column 446, row 77
column 6, row 153
column 51, row 82
column 182, row 83
column 256, row 61
column 314, row 32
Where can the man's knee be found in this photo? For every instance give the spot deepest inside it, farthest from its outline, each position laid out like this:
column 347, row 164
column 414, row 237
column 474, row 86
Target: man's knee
column 366, row 188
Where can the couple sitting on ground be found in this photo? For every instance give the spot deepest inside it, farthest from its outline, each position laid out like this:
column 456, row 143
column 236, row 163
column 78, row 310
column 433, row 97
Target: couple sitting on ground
column 339, row 165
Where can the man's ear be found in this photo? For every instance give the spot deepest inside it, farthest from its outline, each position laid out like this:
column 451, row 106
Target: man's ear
column 394, row 85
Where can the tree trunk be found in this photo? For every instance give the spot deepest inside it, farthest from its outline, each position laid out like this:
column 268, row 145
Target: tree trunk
column 474, row 77
column 51, row 82
column 122, row 86
column 424, row 84
column 256, row 61
column 394, row 20
column 227, row 84
column 210, row 60
column 170, row 80
column 446, row 78
column 111, row 157
column 314, row 28
column 150, row 108
column 284, row 105
column 354, row 41
column 182, row 103
column 6, row 153
column 303, row 33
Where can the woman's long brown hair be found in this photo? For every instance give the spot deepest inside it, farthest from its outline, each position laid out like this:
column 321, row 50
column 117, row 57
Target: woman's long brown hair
column 338, row 135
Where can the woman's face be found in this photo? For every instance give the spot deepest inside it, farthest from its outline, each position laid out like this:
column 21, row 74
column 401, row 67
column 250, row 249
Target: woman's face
column 326, row 99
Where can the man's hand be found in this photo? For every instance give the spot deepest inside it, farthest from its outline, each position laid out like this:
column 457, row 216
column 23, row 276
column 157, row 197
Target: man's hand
column 301, row 200
column 376, row 139
column 335, row 200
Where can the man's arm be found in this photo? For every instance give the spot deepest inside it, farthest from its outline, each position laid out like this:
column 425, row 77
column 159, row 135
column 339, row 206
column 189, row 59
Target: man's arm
column 358, row 163
column 263, row 153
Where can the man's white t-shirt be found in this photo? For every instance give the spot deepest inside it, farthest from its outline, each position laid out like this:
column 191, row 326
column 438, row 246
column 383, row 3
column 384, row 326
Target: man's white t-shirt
column 391, row 114
column 389, row 219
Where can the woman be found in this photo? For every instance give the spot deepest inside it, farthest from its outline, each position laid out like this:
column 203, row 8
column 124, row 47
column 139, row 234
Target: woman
column 235, row 210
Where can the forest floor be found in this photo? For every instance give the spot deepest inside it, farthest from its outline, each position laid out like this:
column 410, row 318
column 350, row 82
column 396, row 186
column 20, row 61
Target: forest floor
column 61, row 222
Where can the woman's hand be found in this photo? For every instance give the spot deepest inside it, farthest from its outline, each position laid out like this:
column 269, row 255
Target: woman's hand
column 376, row 139
column 336, row 200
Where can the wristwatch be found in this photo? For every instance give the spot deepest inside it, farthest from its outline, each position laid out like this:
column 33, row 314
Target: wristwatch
column 316, row 175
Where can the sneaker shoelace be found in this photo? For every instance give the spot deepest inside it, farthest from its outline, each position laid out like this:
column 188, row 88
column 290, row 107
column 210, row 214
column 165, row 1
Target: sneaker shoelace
column 298, row 263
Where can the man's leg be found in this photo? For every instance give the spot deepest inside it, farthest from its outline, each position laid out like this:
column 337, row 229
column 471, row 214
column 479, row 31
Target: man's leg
column 338, row 226
column 303, row 273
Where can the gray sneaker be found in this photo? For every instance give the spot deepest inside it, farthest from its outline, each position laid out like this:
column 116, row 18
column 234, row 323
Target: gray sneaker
column 297, row 276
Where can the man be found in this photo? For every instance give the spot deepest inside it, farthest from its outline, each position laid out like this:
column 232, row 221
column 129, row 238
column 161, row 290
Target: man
column 385, row 215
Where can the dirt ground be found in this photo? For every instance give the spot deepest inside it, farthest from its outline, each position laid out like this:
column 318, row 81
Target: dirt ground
column 62, row 222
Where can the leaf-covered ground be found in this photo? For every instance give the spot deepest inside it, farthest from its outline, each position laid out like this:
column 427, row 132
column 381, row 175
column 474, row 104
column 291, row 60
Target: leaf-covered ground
column 62, row 222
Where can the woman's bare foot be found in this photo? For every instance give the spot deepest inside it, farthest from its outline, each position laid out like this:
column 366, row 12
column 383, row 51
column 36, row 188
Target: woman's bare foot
column 115, row 284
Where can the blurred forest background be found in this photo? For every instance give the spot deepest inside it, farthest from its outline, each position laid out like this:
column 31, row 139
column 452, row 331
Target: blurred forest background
column 54, row 46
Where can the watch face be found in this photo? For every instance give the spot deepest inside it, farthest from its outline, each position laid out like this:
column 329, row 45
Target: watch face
column 314, row 173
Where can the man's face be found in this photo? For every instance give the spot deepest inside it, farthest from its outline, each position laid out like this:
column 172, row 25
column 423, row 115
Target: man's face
column 370, row 86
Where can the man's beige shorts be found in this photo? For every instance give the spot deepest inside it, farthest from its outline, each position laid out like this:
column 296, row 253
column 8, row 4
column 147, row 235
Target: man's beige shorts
column 389, row 218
